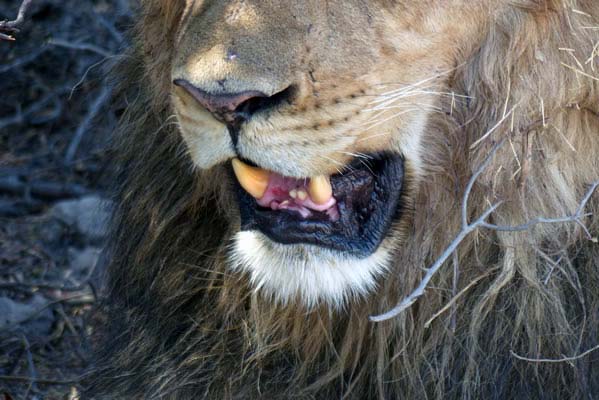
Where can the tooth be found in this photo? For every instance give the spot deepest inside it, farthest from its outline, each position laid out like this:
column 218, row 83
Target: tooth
column 253, row 180
column 302, row 195
column 320, row 189
column 293, row 194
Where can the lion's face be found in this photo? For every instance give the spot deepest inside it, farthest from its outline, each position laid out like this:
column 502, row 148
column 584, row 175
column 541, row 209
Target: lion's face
column 318, row 109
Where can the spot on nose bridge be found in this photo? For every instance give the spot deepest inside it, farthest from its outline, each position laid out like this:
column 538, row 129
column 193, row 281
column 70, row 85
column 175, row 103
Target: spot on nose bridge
column 231, row 55
column 212, row 62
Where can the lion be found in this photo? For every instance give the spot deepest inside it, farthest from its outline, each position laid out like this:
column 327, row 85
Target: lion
column 289, row 171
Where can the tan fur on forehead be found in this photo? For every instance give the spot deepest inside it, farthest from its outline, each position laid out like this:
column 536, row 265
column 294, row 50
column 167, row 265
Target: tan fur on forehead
column 182, row 325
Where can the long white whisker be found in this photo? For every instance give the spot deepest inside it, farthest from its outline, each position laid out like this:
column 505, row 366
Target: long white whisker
column 390, row 118
column 377, row 117
column 424, row 105
column 420, row 107
column 357, row 155
column 373, row 136
column 414, row 85
column 335, row 162
column 384, row 97
column 388, row 101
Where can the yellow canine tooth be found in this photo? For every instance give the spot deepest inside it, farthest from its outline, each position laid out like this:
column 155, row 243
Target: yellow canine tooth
column 253, row 180
column 320, row 189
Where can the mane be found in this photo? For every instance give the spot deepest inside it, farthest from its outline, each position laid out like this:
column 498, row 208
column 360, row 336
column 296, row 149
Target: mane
column 180, row 323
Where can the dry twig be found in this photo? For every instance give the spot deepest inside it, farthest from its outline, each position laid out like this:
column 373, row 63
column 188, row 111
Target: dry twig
column 466, row 229
column 576, row 217
column 103, row 98
column 481, row 222
column 82, row 46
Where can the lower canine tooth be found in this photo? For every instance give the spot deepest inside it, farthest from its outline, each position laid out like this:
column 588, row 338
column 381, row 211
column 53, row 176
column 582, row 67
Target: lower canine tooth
column 253, row 180
column 320, row 189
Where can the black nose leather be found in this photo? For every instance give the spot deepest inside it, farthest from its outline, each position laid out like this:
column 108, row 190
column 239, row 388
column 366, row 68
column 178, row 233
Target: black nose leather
column 230, row 108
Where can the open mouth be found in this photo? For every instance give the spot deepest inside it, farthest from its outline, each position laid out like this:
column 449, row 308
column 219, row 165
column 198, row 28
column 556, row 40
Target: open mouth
column 349, row 212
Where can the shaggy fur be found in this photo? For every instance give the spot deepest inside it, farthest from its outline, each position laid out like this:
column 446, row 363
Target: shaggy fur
column 179, row 324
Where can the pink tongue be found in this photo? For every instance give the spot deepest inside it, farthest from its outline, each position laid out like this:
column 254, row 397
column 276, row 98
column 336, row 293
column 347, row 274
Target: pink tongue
column 277, row 197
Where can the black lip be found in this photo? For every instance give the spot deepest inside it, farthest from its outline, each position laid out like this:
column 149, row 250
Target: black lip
column 369, row 199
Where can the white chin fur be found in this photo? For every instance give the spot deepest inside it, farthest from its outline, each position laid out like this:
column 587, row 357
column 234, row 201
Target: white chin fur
column 306, row 273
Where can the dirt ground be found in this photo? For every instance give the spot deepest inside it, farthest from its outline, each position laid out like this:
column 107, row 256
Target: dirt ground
column 57, row 112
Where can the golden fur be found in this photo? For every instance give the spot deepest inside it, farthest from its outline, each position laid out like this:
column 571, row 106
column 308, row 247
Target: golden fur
column 179, row 324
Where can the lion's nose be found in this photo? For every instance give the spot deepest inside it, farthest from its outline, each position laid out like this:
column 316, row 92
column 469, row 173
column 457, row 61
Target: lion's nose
column 230, row 108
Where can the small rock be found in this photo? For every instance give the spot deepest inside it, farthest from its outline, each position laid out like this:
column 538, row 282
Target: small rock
column 81, row 261
column 89, row 215
column 50, row 231
column 31, row 316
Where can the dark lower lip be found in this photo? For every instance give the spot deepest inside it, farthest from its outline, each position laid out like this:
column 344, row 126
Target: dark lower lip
column 369, row 200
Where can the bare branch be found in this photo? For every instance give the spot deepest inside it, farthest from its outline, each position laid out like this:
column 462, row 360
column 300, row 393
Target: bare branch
column 467, row 228
column 471, row 182
column 94, row 110
column 416, row 294
column 8, row 28
column 22, row 115
column 23, row 61
column 576, row 217
column 81, row 46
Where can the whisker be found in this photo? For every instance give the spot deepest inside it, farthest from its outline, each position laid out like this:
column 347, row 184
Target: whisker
column 384, row 97
column 403, row 107
column 388, row 101
column 373, row 136
column 424, row 105
column 414, row 85
column 399, row 93
column 361, row 157
column 374, row 125
column 439, row 74
column 356, row 155
column 343, row 166
column 382, row 111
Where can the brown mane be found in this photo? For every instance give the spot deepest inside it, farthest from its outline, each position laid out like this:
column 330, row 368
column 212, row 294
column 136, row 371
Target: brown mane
column 180, row 325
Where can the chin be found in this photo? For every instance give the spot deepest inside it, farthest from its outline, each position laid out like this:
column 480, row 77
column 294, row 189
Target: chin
column 308, row 274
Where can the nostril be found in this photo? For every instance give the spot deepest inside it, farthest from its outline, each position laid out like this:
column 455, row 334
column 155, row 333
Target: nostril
column 233, row 108
column 226, row 102
column 257, row 104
